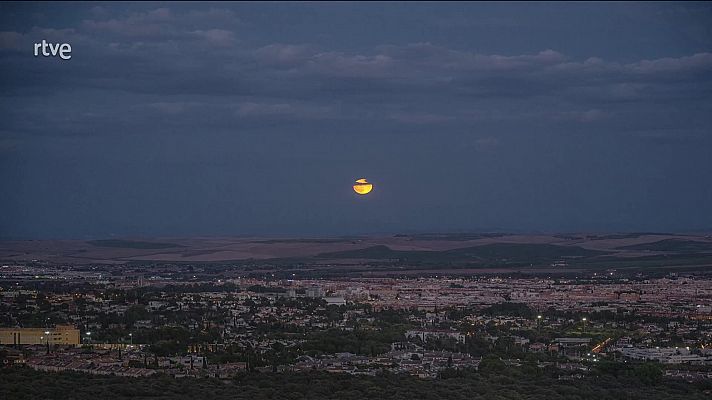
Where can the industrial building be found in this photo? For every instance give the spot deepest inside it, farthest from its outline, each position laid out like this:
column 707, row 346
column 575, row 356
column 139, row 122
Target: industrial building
column 60, row 335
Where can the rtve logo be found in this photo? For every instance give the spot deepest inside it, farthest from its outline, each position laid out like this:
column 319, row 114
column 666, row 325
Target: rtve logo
column 64, row 50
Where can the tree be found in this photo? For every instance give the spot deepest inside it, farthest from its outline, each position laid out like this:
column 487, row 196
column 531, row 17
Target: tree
column 492, row 364
column 649, row 373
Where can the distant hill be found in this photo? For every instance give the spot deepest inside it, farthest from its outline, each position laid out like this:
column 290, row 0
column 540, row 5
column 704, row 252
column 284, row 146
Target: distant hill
column 428, row 249
column 460, row 237
column 131, row 244
column 673, row 245
column 488, row 253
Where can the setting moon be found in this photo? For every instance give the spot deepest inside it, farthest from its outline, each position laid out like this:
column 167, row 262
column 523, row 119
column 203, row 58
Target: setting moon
column 362, row 186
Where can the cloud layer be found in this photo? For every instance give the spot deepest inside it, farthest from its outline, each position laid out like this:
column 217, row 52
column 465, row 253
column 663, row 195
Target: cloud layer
column 187, row 82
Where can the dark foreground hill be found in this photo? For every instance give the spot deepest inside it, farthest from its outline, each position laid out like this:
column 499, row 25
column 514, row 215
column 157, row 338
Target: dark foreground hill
column 521, row 383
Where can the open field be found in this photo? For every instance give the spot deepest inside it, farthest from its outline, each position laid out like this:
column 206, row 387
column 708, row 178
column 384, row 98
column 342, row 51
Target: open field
column 508, row 252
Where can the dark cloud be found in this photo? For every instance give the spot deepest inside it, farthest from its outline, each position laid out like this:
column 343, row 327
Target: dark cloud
column 252, row 118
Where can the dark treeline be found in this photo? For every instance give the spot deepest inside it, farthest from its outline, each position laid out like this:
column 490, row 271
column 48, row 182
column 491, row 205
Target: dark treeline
column 494, row 382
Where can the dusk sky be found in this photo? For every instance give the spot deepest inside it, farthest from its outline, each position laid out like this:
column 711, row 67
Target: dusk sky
column 255, row 119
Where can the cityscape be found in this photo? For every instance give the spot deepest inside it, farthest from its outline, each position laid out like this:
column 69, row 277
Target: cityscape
column 355, row 200
column 356, row 316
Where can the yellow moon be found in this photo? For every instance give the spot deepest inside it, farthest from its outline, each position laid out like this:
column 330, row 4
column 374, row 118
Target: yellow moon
column 362, row 186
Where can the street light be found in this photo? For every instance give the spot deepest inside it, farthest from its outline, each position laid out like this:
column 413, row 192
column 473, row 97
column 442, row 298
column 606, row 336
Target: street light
column 88, row 337
column 131, row 338
column 538, row 323
column 584, row 323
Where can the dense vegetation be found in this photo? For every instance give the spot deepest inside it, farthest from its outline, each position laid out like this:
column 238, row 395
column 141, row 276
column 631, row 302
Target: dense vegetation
column 494, row 382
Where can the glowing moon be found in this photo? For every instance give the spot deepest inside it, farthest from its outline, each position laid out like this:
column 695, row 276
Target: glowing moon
column 362, row 186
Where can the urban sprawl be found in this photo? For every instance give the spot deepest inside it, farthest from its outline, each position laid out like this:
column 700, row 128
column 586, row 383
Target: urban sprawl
column 185, row 321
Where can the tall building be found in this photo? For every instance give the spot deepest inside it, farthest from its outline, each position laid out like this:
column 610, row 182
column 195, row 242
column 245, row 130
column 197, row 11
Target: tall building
column 61, row 334
column 314, row 292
